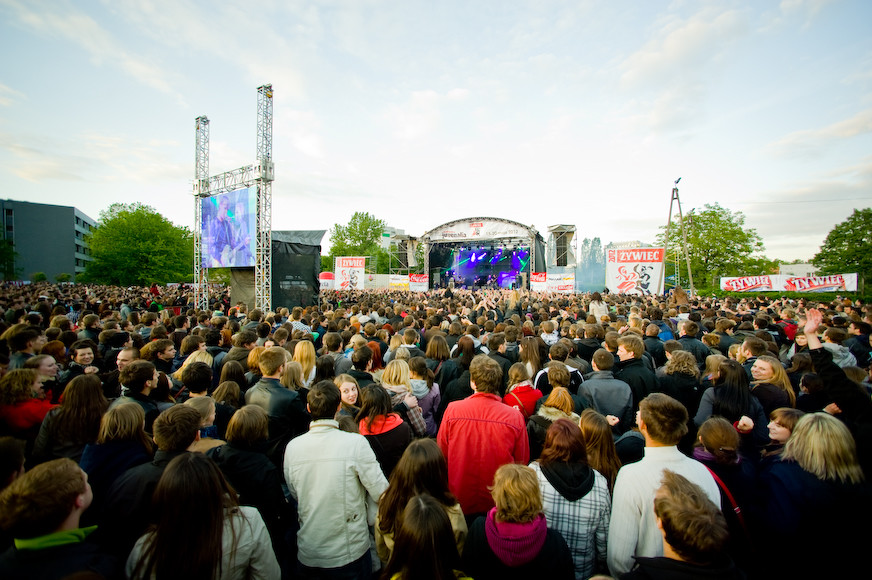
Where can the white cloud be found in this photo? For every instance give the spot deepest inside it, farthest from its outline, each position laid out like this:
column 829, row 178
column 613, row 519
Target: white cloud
column 810, row 141
column 8, row 95
column 64, row 20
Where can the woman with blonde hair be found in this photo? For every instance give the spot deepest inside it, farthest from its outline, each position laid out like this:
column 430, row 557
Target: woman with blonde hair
column 600, row 444
column 292, row 377
column 196, row 356
column 397, row 381
column 816, row 485
column 208, row 431
column 304, row 353
column 770, row 384
column 558, row 405
column 252, row 376
column 513, row 540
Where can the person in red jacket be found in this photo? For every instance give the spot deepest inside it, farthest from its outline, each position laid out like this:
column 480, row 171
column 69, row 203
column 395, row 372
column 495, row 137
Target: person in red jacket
column 521, row 394
column 478, row 435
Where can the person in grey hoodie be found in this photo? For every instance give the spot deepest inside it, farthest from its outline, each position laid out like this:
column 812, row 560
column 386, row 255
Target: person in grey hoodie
column 833, row 339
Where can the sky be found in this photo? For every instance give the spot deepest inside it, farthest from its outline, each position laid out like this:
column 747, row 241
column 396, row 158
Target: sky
column 421, row 113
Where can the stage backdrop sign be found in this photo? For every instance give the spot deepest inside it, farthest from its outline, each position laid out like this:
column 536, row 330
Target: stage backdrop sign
column 781, row 283
column 399, row 282
column 349, row 272
column 538, row 281
column 419, row 282
column 563, row 283
column 479, row 230
column 634, row 270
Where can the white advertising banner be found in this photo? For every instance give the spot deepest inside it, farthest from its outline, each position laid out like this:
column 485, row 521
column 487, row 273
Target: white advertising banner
column 327, row 280
column 781, row 283
column 349, row 272
column 634, row 270
column 479, row 230
column 538, row 282
column 563, row 283
column 399, row 282
column 419, row 282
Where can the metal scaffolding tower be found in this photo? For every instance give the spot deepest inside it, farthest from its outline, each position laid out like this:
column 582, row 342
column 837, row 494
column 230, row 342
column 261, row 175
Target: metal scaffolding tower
column 260, row 174
column 201, row 190
column 266, row 174
column 677, row 201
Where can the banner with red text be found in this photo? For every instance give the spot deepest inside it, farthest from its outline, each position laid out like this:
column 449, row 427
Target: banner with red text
column 419, row 282
column 349, row 272
column 781, row 283
column 634, row 270
column 563, row 283
column 538, row 281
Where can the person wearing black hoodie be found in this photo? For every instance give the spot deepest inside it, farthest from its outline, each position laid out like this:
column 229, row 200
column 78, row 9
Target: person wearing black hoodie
column 576, row 497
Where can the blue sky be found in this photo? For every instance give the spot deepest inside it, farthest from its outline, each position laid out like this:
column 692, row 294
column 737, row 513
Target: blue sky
column 421, row 113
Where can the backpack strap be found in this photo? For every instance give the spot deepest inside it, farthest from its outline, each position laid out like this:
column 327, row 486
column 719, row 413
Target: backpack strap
column 730, row 498
column 523, row 409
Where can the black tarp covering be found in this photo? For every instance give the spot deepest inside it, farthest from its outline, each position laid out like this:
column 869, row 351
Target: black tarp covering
column 296, row 264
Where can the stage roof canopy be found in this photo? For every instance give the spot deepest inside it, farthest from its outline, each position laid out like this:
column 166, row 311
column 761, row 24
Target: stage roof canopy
column 472, row 230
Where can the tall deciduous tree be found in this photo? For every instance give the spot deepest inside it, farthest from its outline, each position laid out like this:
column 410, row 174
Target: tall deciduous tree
column 360, row 238
column 135, row 245
column 719, row 244
column 848, row 246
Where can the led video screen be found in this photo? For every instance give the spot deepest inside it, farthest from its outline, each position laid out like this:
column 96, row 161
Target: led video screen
column 487, row 268
column 228, row 228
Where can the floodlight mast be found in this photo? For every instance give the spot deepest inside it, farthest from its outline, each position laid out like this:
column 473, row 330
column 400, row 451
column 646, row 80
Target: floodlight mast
column 675, row 200
column 201, row 190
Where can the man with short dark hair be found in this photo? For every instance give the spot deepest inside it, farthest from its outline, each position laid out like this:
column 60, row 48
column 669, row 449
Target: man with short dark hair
column 496, row 344
column 287, row 414
column 689, row 342
column 24, row 344
column 164, row 352
column 606, row 394
column 558, row 353
column 333, row 343
column 633, row 527
column 361, row 360
column 127, row 509
column 478, row 435
column 333, row 475
column 137, row 380
column 631, row 368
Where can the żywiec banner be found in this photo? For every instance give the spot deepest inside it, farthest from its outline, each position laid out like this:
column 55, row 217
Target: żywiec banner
column 419, row 282
column 634, row 270
column 780, row 283
column 748, row 283
column 349, row 272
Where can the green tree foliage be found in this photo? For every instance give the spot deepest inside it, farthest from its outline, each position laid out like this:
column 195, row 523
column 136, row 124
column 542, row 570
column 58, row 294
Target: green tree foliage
column 63, row 277
column 38, row 277
column 8, row 255
column 135, row 245
column 719, row 244
column 848, row 246
column 359, row 238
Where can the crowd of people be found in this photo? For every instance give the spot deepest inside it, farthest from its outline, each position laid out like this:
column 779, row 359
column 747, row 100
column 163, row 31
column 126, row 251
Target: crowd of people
column 447, row 434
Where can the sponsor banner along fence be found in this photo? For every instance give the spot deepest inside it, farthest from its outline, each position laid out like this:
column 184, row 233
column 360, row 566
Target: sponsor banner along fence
column 399, row 282
column 545, row 282
column 781, row 283
column 538, row 281
column 634, row 270
column 419, row 282
column 349, row 272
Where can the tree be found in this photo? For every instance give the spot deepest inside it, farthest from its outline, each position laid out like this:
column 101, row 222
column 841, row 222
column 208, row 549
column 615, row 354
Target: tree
column 719, row 244
column 135, row 245
column 359, row 238
column 8, row 255
column 63, row 277
column 848, row 246
column 38, row 277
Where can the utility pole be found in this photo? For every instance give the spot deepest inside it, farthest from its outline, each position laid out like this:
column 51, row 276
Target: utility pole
column 675, row 200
